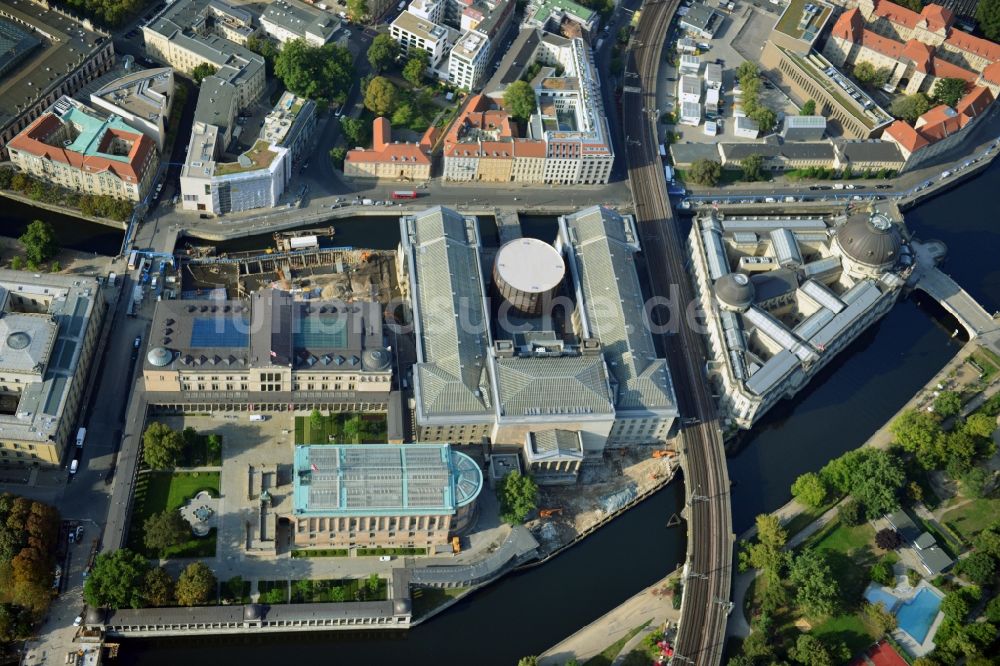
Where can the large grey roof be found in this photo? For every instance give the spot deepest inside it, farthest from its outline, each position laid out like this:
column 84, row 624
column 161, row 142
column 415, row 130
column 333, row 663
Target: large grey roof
column 539, row 386
column 447, row 295
column 870, row 239
column 686, row 153
column 798, row 150
column 301, row 19
column 612, row 303
column 871, row 151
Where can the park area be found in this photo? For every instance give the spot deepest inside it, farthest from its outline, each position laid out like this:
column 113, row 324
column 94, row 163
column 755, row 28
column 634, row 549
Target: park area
column 344, row 428
column 156, row 492
column 372, row 588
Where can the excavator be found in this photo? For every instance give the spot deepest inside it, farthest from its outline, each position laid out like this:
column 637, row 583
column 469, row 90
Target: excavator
column 548, row 513
column 664, row 453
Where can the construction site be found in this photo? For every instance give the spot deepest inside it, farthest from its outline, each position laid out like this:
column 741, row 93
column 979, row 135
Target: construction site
column 304, row 261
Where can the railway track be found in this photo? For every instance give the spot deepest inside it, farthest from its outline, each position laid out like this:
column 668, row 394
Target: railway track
column 705, row 606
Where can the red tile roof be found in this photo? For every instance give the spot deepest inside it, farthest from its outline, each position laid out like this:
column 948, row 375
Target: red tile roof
column 849, row 25
column 897, row 14
column 943, row 69
column 920, row 54
column 981, row 47
column 938, row 17
column 975, row 102
column 33, row 140
column 880, row 44
column 384, row 150
column 992, row 72
column 908, row 138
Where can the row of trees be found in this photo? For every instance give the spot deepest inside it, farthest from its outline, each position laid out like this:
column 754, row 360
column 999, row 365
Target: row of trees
column 956, row 450
column 873, row 477
column 124, row 579
column 99, row 205
column 748, row 74
column 111, row 13
column 163, row 447
column 29, row 532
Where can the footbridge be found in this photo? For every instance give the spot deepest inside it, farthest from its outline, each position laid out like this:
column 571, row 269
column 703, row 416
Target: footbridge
column 977, row 321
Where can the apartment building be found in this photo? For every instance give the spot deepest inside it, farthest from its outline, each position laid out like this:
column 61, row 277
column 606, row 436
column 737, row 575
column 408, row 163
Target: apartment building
column 49, row 329
column 142, row 99
column 285, row 20
column 73, row 147
column 188, row 33
column 49, row 54
column 413, row 32
column 259, row 175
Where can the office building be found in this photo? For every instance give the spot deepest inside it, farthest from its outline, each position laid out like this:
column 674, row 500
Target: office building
column 285, row 20
column 784, row 295
column 382, row 496
column 271, row 353
column 75, row 148
column 258, row 177
column 803, row 128
column 413, row 32
column 47, row 54
column 562, row 17
column 389, row 159
column 49, row 329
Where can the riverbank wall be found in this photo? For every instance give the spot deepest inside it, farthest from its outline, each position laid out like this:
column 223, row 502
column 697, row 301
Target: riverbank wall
column 63, row 210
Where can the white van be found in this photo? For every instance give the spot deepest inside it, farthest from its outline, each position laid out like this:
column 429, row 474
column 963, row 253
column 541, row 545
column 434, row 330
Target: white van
column 73, row 466
column 258, row 417
column 81, row 435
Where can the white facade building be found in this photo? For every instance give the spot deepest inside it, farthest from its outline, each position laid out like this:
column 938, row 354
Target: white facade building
column 286, row 20
column 468, row 60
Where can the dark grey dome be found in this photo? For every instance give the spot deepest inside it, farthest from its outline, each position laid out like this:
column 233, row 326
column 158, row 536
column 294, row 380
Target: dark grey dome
column 376, row 359
column 252, row 612
column 18, row 340
column 871, row 240
column 159, row 356
column 734, row 290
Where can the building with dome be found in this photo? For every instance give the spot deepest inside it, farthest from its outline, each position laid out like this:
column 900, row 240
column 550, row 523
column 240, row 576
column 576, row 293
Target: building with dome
column 784, row 295
column 269, row 353
column 49, row 327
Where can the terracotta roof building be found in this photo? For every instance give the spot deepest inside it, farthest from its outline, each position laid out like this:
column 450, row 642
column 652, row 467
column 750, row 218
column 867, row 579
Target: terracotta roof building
column 938, row 128
column 72, row 147
column 389, row 159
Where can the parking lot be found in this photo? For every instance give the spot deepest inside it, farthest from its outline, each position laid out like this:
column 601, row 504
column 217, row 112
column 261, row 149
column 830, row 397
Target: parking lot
column 745, row 28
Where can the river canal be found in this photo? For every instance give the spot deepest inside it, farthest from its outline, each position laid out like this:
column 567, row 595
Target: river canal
column 528, row 612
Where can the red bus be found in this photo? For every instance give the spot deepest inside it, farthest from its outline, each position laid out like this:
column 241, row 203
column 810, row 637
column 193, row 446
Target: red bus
column 404, row 194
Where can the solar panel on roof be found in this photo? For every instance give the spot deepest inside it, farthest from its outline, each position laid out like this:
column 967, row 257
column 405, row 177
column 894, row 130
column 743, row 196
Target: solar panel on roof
column 218, row 332
column 321, row 331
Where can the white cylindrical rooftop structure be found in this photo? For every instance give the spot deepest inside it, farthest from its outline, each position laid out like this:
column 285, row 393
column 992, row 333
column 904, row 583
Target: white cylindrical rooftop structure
column 527, row 273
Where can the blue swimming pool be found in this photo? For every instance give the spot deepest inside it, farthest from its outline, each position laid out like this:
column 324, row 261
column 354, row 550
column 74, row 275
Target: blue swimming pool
column 916, row 615
column 877, row 594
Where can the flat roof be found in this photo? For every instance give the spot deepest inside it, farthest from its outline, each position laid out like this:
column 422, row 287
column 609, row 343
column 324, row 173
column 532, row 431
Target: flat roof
column 383, row 480
column 803, row 19
column 301, row 20
column 420, row 27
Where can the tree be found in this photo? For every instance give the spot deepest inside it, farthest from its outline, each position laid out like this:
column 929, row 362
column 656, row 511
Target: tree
column 976, row 482
column 764, row 117
column 851, row 513
column 816, row 589
column 357, row 10
column 116, row 580
column 947, row 404
column 706, row 172
column 888, row 539
column 519, row 100
column 54, row 266
column 979, row 567
column 980, row 425
column 196, row 585
column 16, row 263
column 992, row 612
column 355, row 428
column 316, row 421
column 159, row 587
column 811, row 651
column 808, row 109
column 527, row 661
column 751, row 165
column 956, row 605
column 164, row 530
column 988, row 15
column 768, row 555
column 201, row 72
column 162, row 446
column 518, row 496
column 266, row 48
column 877, row 479
column 910, row 107
column 919, row 433
column 338, row 155
column 382, row 52
column 747, row 70
column 879, row 617
column 354, row 131
column 324, row 73
column 39, row 243
column 949, row 91
column 882, row 573
column 415, row 67
column 372, row 583
column 810, row 489
column 864, row 72
column 988, row 541
column 380, row 96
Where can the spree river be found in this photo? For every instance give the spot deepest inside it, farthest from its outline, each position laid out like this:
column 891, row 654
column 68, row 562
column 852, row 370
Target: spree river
column 527, row 612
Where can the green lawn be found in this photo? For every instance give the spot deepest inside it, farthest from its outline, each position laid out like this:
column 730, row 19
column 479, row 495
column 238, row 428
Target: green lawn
column 609, row 653
column 848, row 627
column 969, row 519
column 843, row 538
column 426, row 599
column 801, row 521
column 272, row 591
column 332, row 426
column 159, row 491
column 331, row 591
column 322, row 552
